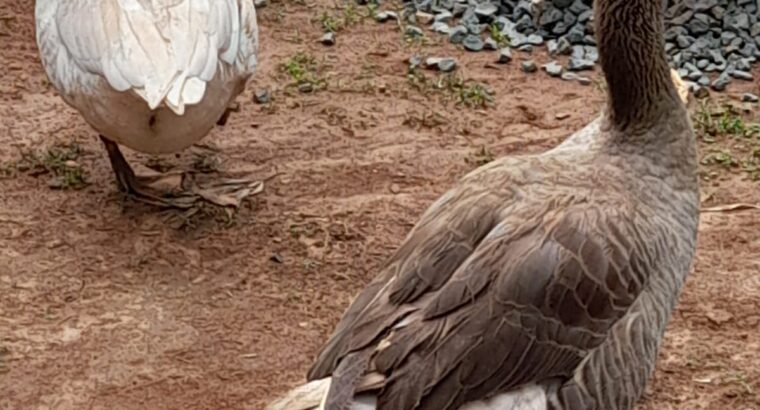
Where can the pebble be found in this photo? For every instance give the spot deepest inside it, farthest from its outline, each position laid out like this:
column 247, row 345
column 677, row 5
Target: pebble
column 568, row 76
column 721, row 82
column 702, row 36
column 424, row 18
column 414, row 31
column 577, row 64
column 440, row 27
column 445, row 64
column 749, row 97
column 443, row 17
column 529, row 66
column 262, row 96
column 473, row 43
column 553, row 68
column 505, row 55
column 328, row 39
column 384, row 16
column 491, row 44
column 742, row 75
column 457, row 34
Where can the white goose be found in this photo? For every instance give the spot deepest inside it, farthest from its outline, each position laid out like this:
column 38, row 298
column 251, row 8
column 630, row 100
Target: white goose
column 153, row 75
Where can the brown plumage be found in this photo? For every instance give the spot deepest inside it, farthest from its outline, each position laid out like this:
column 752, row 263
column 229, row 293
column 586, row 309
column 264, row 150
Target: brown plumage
column 542, row 280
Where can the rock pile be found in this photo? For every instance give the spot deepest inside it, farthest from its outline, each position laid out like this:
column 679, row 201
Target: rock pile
column 709, row 42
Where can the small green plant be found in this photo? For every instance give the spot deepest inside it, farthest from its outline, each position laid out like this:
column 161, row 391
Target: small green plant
column 498, row 36
column 464, row 92
column 474, row 95
column 303, row 70
column 335, row 21
column 723, row 158
column 711, row 121
column 58, row 161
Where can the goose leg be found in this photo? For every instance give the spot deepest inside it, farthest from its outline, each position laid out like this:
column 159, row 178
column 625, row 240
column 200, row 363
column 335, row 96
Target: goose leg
column 139, row 187
column 225, row 192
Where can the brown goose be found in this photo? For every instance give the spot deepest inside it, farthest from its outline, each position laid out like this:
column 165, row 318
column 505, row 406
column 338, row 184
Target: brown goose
column 538, row 282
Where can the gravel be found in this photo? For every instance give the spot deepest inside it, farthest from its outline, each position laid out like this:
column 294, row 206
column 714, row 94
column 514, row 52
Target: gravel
column 710, row 41
column 529, row 66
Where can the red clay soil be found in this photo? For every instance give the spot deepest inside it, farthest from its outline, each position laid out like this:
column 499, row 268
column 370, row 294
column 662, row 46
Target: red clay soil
column 109, row 304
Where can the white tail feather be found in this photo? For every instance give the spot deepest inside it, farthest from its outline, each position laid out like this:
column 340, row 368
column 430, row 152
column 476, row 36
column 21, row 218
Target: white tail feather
column 311, row 396
column 305, row 397
column 531, row 397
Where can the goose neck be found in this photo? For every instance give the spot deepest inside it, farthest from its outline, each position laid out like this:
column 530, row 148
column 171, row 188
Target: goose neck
column 631, row 49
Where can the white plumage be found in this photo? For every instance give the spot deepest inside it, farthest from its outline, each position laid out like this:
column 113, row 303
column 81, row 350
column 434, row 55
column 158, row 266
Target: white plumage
column 123, row 62
column 154, row 75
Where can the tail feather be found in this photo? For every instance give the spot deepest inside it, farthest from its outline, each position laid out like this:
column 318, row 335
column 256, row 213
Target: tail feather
column 308, row 396
column 312, row 395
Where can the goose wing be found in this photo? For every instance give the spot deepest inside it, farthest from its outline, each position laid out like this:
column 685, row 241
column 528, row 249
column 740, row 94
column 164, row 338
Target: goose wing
column 164, row 50
column 475, row 304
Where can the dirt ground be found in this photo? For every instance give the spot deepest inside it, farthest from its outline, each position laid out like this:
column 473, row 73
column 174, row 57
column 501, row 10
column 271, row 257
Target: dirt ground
column 108, row 304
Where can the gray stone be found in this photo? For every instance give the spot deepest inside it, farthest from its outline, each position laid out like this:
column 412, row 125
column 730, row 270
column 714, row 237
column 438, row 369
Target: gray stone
column 742, row 75
column 704, row 80
column 424, row 18
column 563, row 46
column 721, row 82
column 675, row 31
column 414, row 31
column 579, row 7
column 262, row 96
column 457, row 34
column 505, row 55
column 445, row 64
column 592, row 53
column 473, row 43
column 684, row 41
column 384, row 16
column 550, row 16
column 305, row 87
column 553, row 68
column 700, row 24
column 755, row 29
column 441, row 27
column 328, row 39
column 718, row 12
column 682, row 19
column 562, row 3
column 524, row 23
column 260, row 3
column 576, row 35
column 568, row 76
column 736, row 22
column 490, row 44
column 443, row 17
column 702, row 5
column 585, row 17
column 529, row 66
column 577, row 64
column 749, row 97
column 702, row 64
column 486, row 11
column 682, row 72
column 528, row 48
column 458, row 9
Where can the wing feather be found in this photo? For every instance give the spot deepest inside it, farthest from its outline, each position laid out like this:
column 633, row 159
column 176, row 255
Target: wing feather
column 525, row 305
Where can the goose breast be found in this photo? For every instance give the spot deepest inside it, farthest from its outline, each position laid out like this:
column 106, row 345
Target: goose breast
column 154, row 75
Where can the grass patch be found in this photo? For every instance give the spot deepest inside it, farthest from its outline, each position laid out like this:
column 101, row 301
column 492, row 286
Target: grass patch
column 58, row 161
column 498, row 36
column 304, row 72
column 341, row 18
column 463, row 92
column 733, row 142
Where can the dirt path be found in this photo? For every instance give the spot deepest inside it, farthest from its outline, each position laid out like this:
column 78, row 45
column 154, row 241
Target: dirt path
column 113, row 305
